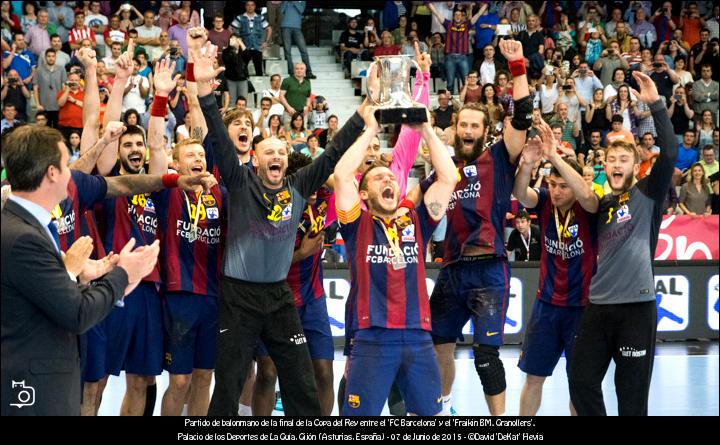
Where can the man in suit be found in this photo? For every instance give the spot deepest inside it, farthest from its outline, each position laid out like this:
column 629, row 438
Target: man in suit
column 44, row 308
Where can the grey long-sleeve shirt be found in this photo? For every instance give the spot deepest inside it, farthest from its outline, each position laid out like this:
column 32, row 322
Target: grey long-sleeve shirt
column 262, row 222
column 628, row 227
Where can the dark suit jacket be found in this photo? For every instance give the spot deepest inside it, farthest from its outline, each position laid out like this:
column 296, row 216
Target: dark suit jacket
column 43, row 312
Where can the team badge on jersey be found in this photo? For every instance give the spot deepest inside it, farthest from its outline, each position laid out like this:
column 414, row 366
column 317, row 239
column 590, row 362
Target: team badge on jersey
column 287, row 212
column 149, row 206
column 354, row 401
column 284, row 197
column 212, row 213
column 408, row 234
column 573, row 230
column 470, row 171
column 208, row 200
column 623, row 214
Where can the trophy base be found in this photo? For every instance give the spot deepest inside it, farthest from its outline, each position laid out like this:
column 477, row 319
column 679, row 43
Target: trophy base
column 397, row 116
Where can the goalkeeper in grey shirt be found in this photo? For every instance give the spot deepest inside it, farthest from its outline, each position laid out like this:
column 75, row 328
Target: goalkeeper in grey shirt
column 620, row 322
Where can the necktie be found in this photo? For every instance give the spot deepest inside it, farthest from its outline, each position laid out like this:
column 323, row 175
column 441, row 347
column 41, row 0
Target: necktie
column 53, row 230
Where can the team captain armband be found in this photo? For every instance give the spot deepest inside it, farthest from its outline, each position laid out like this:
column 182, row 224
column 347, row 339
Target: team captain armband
column 159, row 106
column 522, row 116
column 190, row 72
column 349, row 216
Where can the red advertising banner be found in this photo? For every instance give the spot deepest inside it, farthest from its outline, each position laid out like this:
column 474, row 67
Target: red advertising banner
column 688, row 238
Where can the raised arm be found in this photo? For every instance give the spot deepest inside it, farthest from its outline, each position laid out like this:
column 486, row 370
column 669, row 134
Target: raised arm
column 532, row 153
column 123, row 70
column 659, row 178
column 346, row 193
column 514, row 134
column 91, row 99
column 196, row 38
column 584, row 194
column 437, row 196
column 223, row 148
column 405, row 150
column 164, row 83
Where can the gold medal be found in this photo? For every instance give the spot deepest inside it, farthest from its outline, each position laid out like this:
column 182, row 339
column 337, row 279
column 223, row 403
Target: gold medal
column 193, row 235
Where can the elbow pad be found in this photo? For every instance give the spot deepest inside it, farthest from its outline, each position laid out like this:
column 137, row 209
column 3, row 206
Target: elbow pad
column 522, row 117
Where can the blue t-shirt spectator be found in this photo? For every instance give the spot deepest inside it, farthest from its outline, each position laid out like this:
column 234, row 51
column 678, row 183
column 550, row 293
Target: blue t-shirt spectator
column 484, row 35
column 687, row 156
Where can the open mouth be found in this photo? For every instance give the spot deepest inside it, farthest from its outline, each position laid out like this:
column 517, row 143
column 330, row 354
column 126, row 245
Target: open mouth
column 388, row 193
column 369, row 160
column 468, row 143
column 275, row 168
column 135, row 159
column 617, row 175
column 197, row 169
column 243, row 139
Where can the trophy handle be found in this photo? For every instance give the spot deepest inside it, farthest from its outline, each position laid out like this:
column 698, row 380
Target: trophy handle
column 418, row 73
column 371, row 72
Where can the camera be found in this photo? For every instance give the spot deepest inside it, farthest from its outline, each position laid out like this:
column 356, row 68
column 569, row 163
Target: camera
column 567, row 87
column 610, row 51
column 25, row 395
column 657, row 65
column 13, row 80
column 582, row 71
column 677, row 97
column 173, row 51
column 71, row 84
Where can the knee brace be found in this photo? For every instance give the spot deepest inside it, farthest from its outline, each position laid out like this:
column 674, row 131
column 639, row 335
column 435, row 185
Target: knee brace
column 522, row 116
column 490, row 369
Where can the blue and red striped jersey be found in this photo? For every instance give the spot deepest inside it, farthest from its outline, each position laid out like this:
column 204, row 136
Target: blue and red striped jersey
column 457, row 37
column 192, row 254
column 125, row 217
column 381, row 295
column 567, row 267
column 305, row 277
column 73, row 216
column 476, row 213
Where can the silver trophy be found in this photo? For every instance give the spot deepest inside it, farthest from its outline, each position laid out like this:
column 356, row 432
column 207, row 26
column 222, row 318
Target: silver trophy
column 394, row 91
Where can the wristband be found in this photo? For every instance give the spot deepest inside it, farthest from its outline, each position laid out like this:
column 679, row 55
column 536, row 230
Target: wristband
column 159, row 106
column 190, row 72
column 408, row 204
column 170, row 180
column 517, row 68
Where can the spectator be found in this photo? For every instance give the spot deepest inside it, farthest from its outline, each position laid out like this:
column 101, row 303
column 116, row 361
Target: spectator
column 274, row 94
column 400, row 31
column 38, row 35
column 325, row 137
column 592, row 144
column 569, row 97
column 490, row 104
column 165, row 17
column 695, row 194
column 297, row 135
column 533, row 41
column 312, row 148
column 9, row 119
column 709, row 162
column 98, row 22
column 193, row 15
column 317, row 120
column 664, row 22
column 594, row 46
column 680, row 112
column 670, row 51
column 648, row 153
column 80, row 31
column 274, row 127
column 504, row 91
column 687, row 152
column 588, row 176
column 704, row 128
column 549, row 93
column 596, row 114
column 136, row 90
column 291, row 31
column 178, row 100
column 643, row 30
column 408, row 48
column 664, row 77
column 712, row 24
column 609, row 60
column 70, row 102
column 50, row 78
column 645, row 122
column 295, row 93
column 633, row 56
column 20, row 59
column 586, row 83
column 179, row 31
column 622, row 36
column 125, row 12
column 485, row 27
column 351, row 45
column 255, row 32
column 114, row 33
column 619, row 132
column 444, row 110
column 517, row 25
column 624, row 106
column 445, row 12
column 73, row 146
column 63, row 17
column 176, row 54
column 598, row 163
column 274, row 17
column 372, row 39
column 29, row 17
column 437, row 54
column 15, row 92
column 457, row 46
column 387, row 46
column 219, row 35
column 564, row 35
column 235, row 68
column 684, row 75
column 131, row 117
column 392, row 14
column 149, row 36
column 570, row 129
column 104, row 79
column 488, row 66
column 61, row 57
column 261, row 117
column 115, row 53
column 472, row 91
column 705, row 93
column 691, row 23
column 524, row 241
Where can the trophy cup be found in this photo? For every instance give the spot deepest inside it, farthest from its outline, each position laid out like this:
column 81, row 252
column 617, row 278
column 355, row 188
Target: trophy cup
column 394, row 96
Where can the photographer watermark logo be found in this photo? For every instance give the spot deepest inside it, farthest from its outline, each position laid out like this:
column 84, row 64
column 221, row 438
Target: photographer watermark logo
column 25, row 395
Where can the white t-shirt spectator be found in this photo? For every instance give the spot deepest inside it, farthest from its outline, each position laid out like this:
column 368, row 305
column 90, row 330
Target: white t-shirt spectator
column 274, row 108
column 548, row 97
column 133, row 99
column 109, row 62
column 93, row 20
column 115, row 35
column 150, row 33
